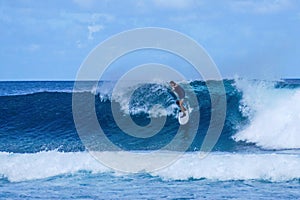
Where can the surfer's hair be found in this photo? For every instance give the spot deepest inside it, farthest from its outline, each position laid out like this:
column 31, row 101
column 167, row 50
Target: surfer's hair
column 172, row 83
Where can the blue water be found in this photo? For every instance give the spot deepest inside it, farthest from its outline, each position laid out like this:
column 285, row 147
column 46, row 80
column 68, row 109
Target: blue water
column 256, row 156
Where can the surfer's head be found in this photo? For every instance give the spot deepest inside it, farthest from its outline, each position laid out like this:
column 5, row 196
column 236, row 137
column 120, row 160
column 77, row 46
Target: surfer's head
column 172, row 83
column 178, row 103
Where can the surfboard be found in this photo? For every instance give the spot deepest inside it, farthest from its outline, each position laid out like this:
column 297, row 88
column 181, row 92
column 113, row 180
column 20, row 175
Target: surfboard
column 183, row 120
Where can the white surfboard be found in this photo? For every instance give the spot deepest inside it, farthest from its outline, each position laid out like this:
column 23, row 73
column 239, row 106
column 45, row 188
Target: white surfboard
column 183, row 120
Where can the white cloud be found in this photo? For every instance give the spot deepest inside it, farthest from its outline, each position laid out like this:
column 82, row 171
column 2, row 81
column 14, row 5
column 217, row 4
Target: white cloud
column 94, row 29
column 94, row 22
column 261, row 7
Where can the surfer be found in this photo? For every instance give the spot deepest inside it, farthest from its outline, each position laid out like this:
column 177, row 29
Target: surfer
column 180, row 94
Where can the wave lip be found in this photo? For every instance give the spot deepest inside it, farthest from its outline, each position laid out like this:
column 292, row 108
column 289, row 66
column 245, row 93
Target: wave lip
column 275, row 167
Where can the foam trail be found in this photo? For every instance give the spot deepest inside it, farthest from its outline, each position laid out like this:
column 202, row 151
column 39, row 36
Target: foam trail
column 274, row 115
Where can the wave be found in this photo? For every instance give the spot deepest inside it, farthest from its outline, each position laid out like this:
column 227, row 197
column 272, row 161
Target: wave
column 216, row 166
column 44, row 121
column 273, row 113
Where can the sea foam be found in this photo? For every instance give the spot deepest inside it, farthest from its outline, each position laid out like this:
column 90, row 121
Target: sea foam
column 274, row 115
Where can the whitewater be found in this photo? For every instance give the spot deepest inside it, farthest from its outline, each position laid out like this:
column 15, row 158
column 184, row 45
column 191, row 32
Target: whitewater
column 216, row 166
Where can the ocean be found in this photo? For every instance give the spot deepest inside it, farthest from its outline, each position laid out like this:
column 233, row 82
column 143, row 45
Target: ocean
column 42, row 155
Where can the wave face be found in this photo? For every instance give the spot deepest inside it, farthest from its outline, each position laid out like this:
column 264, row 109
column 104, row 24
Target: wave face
column 37, row 116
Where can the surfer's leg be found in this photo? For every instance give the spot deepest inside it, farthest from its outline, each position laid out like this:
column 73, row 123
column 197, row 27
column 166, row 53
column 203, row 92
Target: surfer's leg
column 181, row 105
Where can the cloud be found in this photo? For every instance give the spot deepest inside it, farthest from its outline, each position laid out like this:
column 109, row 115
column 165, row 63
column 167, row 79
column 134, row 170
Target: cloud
column 94, row 29
column 261, row 7
column 93, row 22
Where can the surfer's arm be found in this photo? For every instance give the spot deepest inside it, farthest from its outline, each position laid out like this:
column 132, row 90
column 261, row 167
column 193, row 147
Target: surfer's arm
column 174, row 87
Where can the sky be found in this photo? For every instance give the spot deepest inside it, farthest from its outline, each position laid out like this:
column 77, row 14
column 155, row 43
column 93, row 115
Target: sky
column 49, row 40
